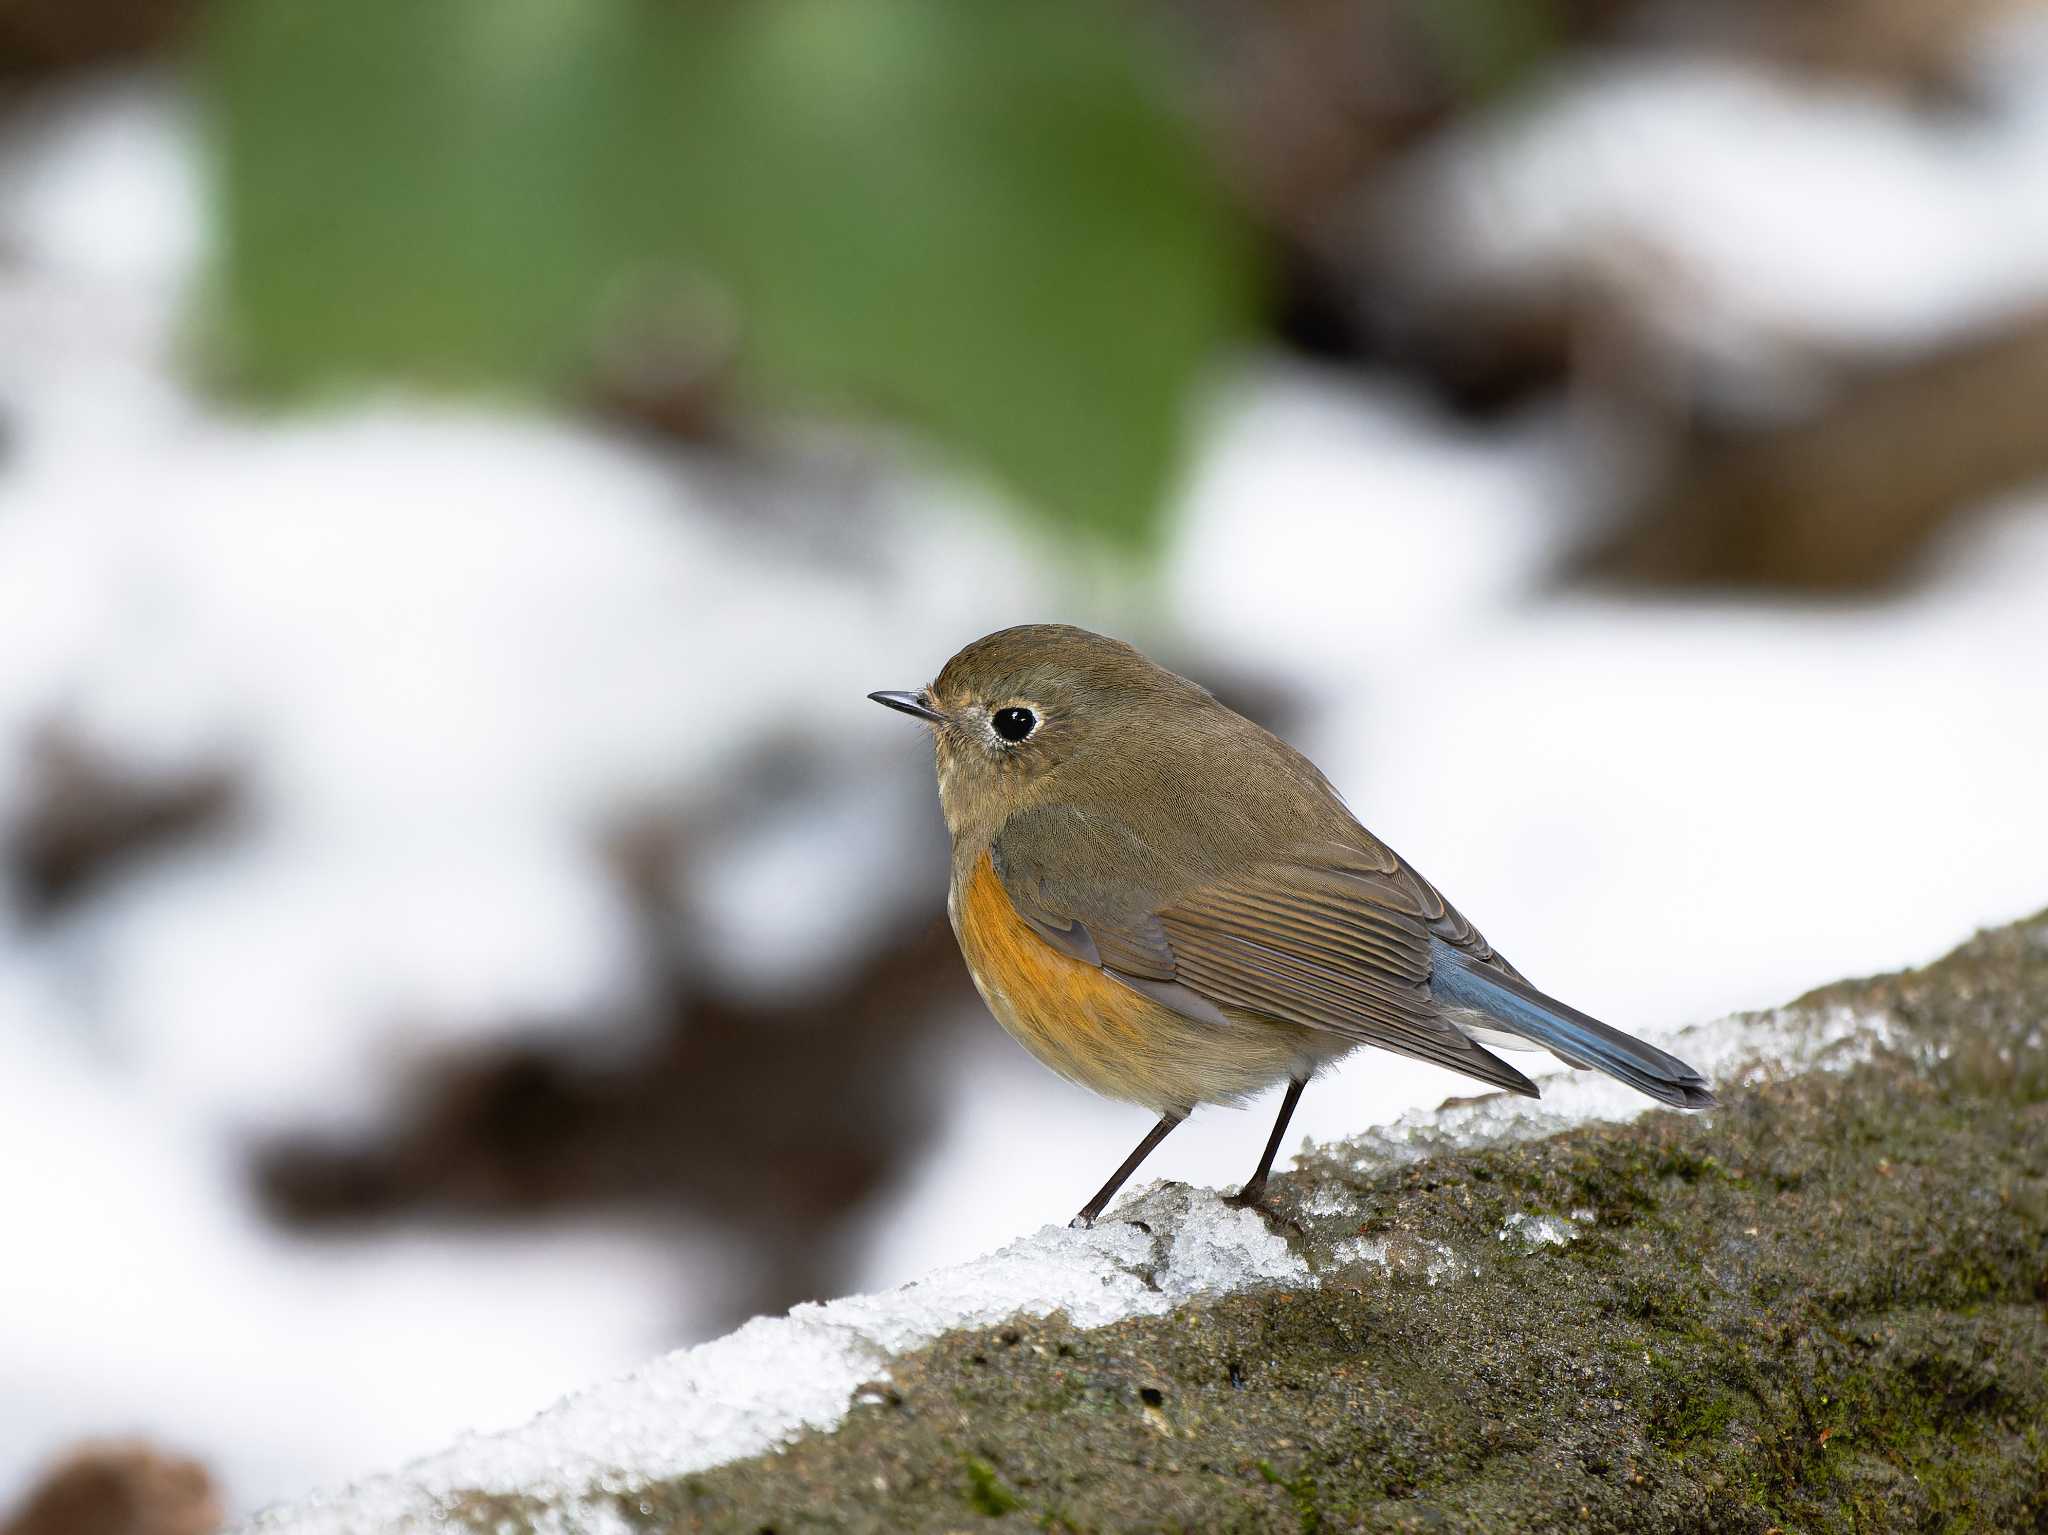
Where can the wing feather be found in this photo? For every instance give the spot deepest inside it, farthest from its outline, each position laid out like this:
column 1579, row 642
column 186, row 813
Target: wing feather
column 1334, row 938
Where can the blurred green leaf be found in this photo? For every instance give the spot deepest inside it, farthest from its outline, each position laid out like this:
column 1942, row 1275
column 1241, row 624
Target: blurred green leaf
column 417, row 188
column 982, row 219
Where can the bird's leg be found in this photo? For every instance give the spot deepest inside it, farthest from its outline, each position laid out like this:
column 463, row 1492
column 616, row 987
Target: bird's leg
column 1255, row 1186
column 1103, row 1196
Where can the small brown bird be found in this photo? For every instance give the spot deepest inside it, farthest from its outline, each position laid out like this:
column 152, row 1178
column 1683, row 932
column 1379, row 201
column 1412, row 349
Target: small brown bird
column 1168, row 904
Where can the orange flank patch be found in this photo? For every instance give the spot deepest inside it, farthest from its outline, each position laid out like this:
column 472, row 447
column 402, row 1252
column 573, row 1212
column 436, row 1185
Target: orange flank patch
column 1094, row 1030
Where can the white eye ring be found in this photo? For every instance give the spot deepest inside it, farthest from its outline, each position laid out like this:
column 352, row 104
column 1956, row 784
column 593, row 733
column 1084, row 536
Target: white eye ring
column 1013, row 723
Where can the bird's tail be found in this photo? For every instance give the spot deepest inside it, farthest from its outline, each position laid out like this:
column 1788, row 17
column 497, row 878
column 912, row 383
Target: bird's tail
column 1521, row 1009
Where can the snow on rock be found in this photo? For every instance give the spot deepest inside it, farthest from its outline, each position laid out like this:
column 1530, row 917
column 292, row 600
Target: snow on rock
column 1732, row 1051
column 1165, row 1246
column 775, row 1376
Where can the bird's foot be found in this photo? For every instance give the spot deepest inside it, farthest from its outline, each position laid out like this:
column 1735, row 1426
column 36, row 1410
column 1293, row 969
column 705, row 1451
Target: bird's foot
column 1253, row 1197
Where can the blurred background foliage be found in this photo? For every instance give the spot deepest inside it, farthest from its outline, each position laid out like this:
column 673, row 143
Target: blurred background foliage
column 993, row 223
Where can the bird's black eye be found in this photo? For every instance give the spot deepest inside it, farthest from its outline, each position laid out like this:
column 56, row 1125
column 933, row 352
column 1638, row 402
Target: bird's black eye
column 1014, row 724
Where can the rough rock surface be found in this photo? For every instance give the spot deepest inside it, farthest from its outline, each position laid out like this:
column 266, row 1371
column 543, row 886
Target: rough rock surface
column 1822, row 1307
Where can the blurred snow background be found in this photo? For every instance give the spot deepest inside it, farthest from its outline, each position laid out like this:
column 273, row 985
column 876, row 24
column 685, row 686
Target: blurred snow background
column 408, row 775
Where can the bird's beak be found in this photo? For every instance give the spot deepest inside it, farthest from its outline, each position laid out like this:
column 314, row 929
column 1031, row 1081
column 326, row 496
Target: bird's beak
column 911, row 704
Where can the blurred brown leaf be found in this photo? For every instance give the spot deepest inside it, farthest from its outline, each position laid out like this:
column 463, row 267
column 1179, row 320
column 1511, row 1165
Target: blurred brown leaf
column 47, row 37
column 86, row 815
column 120, row 1488
column 1848, row 498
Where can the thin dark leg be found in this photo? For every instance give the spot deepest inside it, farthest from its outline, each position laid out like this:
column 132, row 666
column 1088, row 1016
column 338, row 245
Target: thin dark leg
column 1094, row 1207
column 1255, row 1186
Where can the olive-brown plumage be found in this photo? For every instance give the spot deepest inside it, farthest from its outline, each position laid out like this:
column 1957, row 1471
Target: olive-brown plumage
column 1168, row 904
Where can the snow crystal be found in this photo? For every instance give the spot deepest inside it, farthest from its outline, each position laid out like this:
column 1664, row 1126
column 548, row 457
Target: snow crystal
column 1362, row 1250
column 1328, row 1199
column 1446, row 1263
column 1216, row 1247
column 1536, row 1230
column 1432, row 1262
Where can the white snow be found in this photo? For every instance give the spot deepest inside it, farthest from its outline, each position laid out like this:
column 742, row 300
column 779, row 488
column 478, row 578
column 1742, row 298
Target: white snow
column 1751, row 212
column 101, row 219
column 1162, row 1247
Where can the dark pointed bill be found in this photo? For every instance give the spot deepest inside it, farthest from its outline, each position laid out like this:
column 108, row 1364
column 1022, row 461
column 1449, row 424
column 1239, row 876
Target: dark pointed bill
column 908, row 703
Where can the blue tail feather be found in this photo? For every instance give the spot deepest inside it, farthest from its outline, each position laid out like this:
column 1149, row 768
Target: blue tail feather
column 1520, row 1008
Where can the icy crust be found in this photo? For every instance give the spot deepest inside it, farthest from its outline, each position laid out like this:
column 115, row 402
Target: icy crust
column 1161, row 1248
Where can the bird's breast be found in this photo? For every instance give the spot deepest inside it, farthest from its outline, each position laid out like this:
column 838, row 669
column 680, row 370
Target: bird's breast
column 1094, row 1030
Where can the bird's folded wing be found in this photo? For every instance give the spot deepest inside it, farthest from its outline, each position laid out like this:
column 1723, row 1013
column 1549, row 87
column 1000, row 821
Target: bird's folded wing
column 1329, row 939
